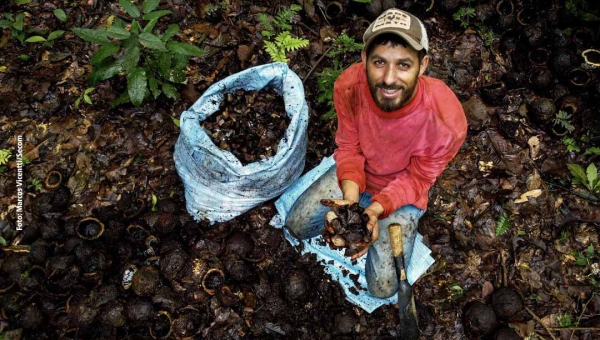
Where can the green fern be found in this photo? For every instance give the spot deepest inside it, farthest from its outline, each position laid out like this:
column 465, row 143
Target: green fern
column 285, row 41
column 4, row 156
column 268, row 30
column 276, row 53
column 503, row 224
column 344, row 44
column 563, row 119
column 571, row 144
column 284, row 18
column 325, row 80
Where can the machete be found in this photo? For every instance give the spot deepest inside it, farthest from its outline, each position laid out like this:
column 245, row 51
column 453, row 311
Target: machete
column 409, row 330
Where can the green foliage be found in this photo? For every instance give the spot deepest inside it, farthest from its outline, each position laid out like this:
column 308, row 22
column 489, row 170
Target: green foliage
column 25, row 160
column 583, row 258
column 571, row 144
column 486, row 33
column 325, row 81
column 592, row 151
column 150, row 61
column 463, row 14
column 2, row 241
column 455, row 291
column 4, row 156
column 564, row 320
column 586, row 177
column 154, row 201
column 21, row 2
column 564, row 236
column 35, row 184
column 213, row 8
column 60, row 15
column 503, row 224
column 344, row 44
column 47, row 41
column 276, row 30
column 16, row 24
column 85, row 96
column 563, row 119
column 579, row 8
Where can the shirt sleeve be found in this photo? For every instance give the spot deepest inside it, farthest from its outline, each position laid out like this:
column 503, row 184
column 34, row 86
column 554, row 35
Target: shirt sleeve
column 348, row 156
column 416, row 180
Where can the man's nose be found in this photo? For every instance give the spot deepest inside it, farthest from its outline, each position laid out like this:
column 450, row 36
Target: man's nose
column 389, row 76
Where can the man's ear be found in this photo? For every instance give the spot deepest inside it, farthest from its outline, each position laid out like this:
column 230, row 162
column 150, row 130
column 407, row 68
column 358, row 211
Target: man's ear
column 424, row 64
column 363, row 56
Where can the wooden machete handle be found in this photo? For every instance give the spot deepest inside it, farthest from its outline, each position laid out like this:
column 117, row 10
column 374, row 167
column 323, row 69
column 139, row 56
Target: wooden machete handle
column 396, row 239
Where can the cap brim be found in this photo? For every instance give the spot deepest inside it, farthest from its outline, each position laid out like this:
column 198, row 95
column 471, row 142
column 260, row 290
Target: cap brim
column 412, row 42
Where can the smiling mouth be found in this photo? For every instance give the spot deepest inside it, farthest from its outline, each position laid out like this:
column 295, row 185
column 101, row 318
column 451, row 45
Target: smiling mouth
column 389, row 93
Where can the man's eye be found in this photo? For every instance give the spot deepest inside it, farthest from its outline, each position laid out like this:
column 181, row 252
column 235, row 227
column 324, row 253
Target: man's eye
column 378, row 62
column 404, row 65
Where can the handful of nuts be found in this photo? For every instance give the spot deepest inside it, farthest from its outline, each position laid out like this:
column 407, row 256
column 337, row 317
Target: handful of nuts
column 346, row 227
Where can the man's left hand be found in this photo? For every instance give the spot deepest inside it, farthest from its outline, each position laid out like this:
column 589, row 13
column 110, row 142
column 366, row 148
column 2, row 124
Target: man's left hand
column 373, row 211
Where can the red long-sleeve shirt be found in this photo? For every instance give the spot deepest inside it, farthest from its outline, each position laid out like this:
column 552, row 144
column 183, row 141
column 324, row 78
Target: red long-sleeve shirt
column 396, row 156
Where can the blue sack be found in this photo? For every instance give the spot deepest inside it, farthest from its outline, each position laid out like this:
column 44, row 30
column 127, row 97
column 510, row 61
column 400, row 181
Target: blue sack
column 217, row 186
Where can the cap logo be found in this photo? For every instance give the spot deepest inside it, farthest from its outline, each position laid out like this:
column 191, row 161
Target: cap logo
column 393, row 18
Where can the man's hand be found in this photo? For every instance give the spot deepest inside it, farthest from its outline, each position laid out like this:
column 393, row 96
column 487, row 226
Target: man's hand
column 373, row 211
column 331, row 202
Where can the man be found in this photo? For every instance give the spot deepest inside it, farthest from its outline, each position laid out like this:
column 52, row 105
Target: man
column 397, row 131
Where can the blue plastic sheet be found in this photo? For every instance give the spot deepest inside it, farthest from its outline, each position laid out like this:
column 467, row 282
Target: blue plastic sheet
column 217, row 186
column 350, row 275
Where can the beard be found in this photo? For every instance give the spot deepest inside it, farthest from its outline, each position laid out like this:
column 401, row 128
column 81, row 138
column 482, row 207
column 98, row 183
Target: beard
column 392, row 104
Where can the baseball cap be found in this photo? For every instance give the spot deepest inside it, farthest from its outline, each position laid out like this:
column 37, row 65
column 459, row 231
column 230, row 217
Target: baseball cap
column 401, row 23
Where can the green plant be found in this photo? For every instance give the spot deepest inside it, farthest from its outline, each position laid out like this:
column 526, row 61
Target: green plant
column 486, row 33
column 563, row 119
column 588, row 177
column 579, row 8
column 21, row 2
column 154, row 201
column 344, row 44
column 85, row 97
column 2, row 241
column 16, row 25
column 4, row 156
column 325, row 81
column 592, row 151
column 150, row 61
column 36, row 184
column 213, row 8
column 278, row 44
column 571, row 144
column 47, row 41
column 503, row 224
column 582, row 258
column 25, row 160
column 463, row 14
column 564, row 236
column 455, row 291
column 564, row 320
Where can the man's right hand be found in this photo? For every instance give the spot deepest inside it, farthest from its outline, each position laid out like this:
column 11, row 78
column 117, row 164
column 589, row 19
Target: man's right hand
column 331, row 202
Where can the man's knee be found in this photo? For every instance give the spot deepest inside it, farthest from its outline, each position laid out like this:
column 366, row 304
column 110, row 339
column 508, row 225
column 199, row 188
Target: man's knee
column 384, row 287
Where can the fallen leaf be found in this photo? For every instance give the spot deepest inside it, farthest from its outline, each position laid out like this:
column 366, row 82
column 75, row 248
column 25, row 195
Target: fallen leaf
column 534, row 147
column 532, row 193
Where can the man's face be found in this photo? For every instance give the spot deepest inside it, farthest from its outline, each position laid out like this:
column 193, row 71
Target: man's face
column 392, row 73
